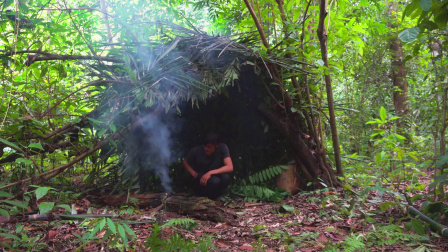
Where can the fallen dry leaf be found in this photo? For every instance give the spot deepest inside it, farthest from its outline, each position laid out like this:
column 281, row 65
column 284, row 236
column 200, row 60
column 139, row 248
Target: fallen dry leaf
column 322, row 238
column 51, row 234
column 101, row 234
column 247, row 247
column 211, row 230
column 223, row 244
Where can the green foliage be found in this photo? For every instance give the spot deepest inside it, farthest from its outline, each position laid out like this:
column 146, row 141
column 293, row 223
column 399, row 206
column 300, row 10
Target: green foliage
column 256, row 188
column 117, row 234
column 184, row 223
column 436, row 210
column 431, row 15
column 381, row 236
column 156, row 242
column 19, row 240
column 11, row 207
column 265, row 175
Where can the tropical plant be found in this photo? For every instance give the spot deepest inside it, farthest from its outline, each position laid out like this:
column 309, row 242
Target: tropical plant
column 256, row 186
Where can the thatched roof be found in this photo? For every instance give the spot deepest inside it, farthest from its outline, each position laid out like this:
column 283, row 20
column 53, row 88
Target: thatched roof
column 189, row 66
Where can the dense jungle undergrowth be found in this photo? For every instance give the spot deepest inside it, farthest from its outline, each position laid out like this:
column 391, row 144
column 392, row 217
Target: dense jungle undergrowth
column 335, row 114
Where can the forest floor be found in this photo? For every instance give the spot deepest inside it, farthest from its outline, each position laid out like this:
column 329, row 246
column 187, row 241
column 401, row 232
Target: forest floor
column 323, row 220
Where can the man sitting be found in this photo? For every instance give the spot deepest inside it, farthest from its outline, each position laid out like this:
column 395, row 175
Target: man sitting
column 210, row 165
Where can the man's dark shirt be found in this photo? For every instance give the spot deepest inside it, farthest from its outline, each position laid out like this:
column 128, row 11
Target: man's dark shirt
column 202, row 163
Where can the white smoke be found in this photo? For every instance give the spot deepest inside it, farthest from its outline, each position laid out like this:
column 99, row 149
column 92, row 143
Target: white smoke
column 158, row 142
column 148, row 148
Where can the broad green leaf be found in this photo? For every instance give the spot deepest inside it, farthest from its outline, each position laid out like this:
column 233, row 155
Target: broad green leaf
column 123, row 235
column 101, row 132
column 441, row 18
column 288, row 208
column 5, row 194
column 129, row 230
column 17, row 203
column 41, row 192
column 418, row 226
column 410, row 8
column 111, row 225
column 112, row 127
column 386, row 205
column 441, row 161
column 10, row 236
column 94, row 231
column 425, row 4
column 10, row 144
column 65, row 206
column 102, row 224
column 412, row 155
column 24, row 160
column 45, row 207
column 19, row 228
column 416, row 197
column 409, row 35
column 394, row 118
column 43, row 72
column 97, row 122
column 383, row 113
column 4, row 213
column 36, row 145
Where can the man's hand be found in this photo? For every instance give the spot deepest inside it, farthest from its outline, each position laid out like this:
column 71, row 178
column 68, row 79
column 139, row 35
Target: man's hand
column 205, row 178
column 194, row 174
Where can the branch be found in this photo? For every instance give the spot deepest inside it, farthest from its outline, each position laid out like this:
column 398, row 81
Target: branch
column 53, row 172
column 257, row 24
column 34, row 58
column 79, row 89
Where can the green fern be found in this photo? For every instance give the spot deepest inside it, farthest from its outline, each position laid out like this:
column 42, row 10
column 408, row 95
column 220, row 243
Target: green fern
column 255, row 192
column 352, row 244
column 185, row 223
column 392, row 234
column 176, row 242
column 381, row 236
column 266, row 174
column 252, row 188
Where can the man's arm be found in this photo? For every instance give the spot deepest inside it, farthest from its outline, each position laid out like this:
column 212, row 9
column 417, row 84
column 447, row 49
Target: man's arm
column 189, row 169
column 228, row 167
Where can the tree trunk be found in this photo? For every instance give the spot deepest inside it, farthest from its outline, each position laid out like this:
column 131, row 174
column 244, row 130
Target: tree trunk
column 322, row 35
column 289, row 123
column 399, row 81
column 398, row 70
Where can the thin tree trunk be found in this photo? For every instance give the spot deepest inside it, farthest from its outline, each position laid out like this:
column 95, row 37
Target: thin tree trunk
column 289, row 124
column 398, row 70
column 399, row 81
column 322, row 35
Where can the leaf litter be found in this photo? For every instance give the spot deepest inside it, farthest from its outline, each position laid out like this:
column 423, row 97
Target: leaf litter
column 309, row 221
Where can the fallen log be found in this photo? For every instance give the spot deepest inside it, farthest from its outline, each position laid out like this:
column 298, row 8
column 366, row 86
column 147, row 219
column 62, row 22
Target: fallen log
column 144, row 200
column 199, row 208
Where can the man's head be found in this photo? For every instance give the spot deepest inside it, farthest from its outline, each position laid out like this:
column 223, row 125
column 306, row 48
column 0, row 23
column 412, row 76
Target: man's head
column 210, row 143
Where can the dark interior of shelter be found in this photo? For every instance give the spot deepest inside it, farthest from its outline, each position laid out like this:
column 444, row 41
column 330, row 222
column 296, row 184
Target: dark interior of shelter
column 253, row 143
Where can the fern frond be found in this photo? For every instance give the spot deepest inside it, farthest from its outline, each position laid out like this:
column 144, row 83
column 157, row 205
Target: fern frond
column 352, row 244
column 179, row 222
column 266, row 174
